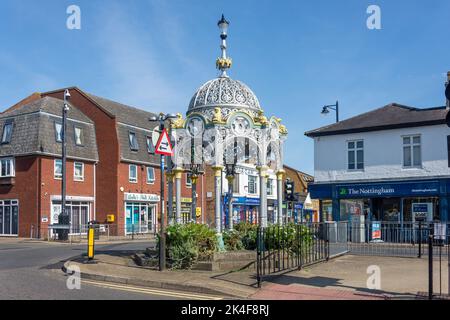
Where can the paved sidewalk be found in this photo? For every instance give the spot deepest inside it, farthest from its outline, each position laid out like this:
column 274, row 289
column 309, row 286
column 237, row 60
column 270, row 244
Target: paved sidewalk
column 240, row 285
column 122, row 270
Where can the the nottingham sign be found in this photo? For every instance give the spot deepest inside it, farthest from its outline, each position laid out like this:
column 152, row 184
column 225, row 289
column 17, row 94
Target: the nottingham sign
column 388, row 190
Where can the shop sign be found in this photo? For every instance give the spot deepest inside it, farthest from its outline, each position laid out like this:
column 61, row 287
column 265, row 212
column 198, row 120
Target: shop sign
column 246, row 201
column 440, row 231
column 298, row 206
column 141, row 197
column 422, row 211
column 394, row 189
column 186, row 200
column 376, row 230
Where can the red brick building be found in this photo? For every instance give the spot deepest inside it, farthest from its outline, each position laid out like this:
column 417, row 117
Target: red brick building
column 31, row 167
column 127, row 174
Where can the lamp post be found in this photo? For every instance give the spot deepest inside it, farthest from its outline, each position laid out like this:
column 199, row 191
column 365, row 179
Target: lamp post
column 230, row 172
column 162, row 240
column 64, row 218
column 326, row 109
column 194, row 174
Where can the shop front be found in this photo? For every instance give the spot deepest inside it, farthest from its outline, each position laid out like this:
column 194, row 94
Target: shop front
column 9, row 218
column 140, row 212
column 78, row 208
column 402, row 201
column 244, row 210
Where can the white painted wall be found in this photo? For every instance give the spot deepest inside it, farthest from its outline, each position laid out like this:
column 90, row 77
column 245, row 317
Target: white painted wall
column 383, row 155
column 243, row 183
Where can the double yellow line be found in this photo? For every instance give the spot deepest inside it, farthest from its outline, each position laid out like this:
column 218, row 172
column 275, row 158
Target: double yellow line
column 166, row 293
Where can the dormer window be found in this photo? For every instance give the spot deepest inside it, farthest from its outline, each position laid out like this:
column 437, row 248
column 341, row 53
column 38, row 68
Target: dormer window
column 150, row 146
column 78, row 136
column 58, row 132
column 133, row 141
column 7, row 132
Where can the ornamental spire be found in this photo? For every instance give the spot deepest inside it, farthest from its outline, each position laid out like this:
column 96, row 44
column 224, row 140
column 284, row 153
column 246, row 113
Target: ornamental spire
column 224, row 62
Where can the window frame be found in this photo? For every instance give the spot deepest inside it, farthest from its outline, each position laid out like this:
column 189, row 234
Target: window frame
column 188, row 184
column 150, row 146
column 56, row 123
column 255, row 184
column 410, row 147
column 136, row 147
column 12, row 167
column 129, row 173
column 154, row 177
column 75, row 177
column 236, row 186
column 355, row 150
column 81, row 136
column 55, row 176
column 8, row 123
column 269, row 186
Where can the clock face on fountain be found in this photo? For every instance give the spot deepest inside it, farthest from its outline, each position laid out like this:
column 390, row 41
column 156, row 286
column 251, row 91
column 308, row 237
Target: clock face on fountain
column 195, row 127
column 241, row 126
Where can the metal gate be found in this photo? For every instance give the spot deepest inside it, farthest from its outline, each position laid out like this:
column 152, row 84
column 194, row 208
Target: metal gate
column 285, row 248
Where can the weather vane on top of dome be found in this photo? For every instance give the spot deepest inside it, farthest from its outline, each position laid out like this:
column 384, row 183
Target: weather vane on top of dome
column 224, row 62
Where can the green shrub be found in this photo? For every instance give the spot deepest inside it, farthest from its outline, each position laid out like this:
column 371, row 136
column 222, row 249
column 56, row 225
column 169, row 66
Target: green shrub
column 232, row 240
column 186, row 244
column 248, row 233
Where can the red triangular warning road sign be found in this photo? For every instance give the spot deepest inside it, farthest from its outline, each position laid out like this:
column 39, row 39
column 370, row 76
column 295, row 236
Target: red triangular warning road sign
column 163, row 146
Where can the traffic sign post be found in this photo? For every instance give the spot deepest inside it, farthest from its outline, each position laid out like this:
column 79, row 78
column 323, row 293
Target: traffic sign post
column 164, row 146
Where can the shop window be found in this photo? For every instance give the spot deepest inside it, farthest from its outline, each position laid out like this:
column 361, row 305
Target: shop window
column 7, row 168
column 57, row 170
column 7, row 132
column 150, row 175
column 133, row 173
column 9, row 217
column 78, row 136
column 355, row 155
column 133, row 141
column 412, row 157
column 58, row 132
column 252, row 188
column 78, row 173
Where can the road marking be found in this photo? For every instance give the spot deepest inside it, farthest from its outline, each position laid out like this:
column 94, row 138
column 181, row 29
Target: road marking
column 166, row 293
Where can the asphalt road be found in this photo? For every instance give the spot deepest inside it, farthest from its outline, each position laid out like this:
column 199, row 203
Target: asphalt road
column 32, row 270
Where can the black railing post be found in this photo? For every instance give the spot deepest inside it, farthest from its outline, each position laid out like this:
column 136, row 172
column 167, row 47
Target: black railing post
column 328, row 240
column 420, row 240
column 430, row 263
column 258, row 256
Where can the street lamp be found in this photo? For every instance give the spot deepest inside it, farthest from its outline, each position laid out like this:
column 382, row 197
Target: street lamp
column 230, row 169
column 326, row 109
column 64, row 219
column 223, row 25
column 162, row 240
column 194, row 174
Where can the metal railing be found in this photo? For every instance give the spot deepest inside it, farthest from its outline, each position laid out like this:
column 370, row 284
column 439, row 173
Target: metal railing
column 103, row 232
column 284, row 248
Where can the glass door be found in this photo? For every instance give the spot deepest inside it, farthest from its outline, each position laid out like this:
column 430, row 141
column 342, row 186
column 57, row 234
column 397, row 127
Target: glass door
column 129, row 218
column 9, row 218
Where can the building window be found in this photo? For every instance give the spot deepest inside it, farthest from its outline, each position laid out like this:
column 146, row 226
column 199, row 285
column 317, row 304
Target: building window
column 270, row 187
column 7, row 168
column 252, row 184
column 78, row 173
column 58, row 132
column 355, row 155
column 236, row 183
column 188, row 181
column 57, row 170
column 412, row 157
column 448, row 150
column 9, row 217
column 78, row 136
column 133, row 173
column 7, row 132
column 150, row 175
column 150, row 146
column 133, row 141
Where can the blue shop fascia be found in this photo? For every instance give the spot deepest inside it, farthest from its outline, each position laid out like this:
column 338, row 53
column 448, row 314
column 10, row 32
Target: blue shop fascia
column 396, row 201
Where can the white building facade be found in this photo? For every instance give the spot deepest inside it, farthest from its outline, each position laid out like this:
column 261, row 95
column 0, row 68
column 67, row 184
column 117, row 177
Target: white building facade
column 391, row 164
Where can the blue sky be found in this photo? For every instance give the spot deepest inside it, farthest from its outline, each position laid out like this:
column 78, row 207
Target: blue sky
column 295, row 55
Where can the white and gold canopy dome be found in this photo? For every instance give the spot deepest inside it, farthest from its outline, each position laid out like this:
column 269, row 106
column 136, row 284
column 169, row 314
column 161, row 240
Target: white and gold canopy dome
column 223, row 109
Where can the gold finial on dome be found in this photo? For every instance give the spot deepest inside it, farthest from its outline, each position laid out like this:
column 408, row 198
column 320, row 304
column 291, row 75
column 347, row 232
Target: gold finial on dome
column 224, row 62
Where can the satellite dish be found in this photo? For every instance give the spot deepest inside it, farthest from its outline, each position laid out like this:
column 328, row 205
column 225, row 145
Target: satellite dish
column 447, row 91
